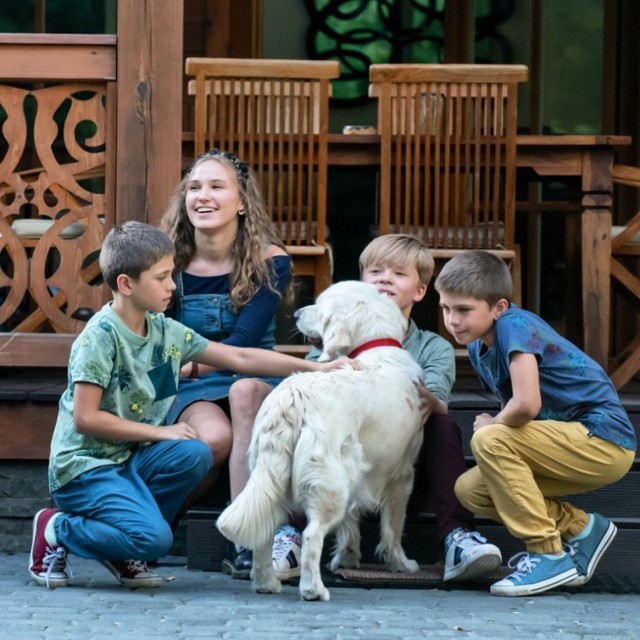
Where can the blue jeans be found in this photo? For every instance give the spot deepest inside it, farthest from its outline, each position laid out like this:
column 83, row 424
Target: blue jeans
column 123, row 511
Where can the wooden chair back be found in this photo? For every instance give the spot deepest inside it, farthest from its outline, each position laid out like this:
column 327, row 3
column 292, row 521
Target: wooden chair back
column 448, row 154
column 625, row 273
column 274, row 115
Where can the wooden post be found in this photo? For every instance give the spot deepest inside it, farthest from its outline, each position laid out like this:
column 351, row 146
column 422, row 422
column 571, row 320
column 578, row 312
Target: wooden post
column 459, row 31
column 149, row 107
column 596, row 254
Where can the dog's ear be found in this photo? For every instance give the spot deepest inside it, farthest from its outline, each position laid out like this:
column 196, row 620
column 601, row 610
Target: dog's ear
column 335, row 341
column 339, row 327
column 334, row 345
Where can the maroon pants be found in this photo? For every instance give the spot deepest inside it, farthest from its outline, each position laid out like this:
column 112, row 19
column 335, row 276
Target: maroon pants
column 439, row 464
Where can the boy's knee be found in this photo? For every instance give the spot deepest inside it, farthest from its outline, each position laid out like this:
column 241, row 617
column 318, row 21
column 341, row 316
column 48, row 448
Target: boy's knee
column 153, row 543
column 462, row 488
column 485, row 439
column 197, row 456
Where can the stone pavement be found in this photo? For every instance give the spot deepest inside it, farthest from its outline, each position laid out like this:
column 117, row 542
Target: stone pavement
column 195, row 604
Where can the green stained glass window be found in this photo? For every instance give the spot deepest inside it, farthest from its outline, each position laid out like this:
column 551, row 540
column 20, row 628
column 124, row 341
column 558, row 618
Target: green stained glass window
column 359, row 33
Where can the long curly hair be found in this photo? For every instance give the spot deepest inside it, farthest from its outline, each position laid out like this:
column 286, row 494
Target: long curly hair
column 256, row 231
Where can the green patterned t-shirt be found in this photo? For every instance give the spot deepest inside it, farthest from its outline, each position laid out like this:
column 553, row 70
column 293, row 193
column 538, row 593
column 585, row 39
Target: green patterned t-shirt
column 138, row 375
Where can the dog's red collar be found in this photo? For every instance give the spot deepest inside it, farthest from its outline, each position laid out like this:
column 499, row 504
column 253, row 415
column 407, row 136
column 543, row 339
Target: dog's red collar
column 372, row 344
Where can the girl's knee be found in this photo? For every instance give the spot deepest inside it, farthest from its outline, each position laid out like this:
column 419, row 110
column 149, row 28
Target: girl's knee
column 248, row 392
column 218, row 443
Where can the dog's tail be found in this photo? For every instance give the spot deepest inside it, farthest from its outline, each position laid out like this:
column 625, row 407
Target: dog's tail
column 252, row 518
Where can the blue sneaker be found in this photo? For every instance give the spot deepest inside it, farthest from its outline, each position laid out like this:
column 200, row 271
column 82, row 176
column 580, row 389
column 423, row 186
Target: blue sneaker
column 588, row 547
column 535, row 573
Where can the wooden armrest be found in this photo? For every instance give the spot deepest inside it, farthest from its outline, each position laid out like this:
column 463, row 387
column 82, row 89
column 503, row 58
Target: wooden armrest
column 624, row 174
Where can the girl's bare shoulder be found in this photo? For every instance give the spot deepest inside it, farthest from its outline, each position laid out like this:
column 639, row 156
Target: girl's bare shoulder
column 273, row 250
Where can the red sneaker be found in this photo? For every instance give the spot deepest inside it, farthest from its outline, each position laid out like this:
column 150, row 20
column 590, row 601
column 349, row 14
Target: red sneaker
column 132, row 573
column 47, row 564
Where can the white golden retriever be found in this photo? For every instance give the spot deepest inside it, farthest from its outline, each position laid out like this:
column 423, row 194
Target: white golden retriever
column 334, row 445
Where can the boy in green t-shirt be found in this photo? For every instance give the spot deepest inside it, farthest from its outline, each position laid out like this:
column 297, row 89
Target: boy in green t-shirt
column 117, row 476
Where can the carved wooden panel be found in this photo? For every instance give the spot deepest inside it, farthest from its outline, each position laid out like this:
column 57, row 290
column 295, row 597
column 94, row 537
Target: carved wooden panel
column 52, row 205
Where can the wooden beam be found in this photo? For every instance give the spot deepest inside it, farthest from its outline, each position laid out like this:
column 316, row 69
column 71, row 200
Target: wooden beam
column 459, row 31
column 57, row 57
column 35, row 349
column 149, row 107
column 246, row 18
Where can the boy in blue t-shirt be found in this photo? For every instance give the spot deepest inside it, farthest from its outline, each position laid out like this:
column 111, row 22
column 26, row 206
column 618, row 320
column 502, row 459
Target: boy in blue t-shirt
column 561, row 429
column 117, row 476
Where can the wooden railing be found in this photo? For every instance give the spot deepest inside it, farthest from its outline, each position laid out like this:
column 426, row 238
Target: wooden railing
column 53, row 207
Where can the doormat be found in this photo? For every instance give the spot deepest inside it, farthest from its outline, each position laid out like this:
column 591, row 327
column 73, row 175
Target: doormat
column 429, row 576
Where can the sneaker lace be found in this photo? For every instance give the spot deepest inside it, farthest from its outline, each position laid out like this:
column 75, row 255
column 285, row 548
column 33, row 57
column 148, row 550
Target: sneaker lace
column 523, row 563
column 55, row 560
column 571, row 548
column 468, row 539
column 136, row 566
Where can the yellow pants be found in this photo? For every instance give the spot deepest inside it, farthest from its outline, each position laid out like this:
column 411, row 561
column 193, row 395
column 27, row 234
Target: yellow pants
column 520, row 470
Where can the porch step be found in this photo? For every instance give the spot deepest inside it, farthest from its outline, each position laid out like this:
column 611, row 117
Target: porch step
column 619, row 571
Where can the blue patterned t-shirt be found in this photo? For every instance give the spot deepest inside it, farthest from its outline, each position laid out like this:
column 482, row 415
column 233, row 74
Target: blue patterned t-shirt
column 139, row 378
column 573, row 386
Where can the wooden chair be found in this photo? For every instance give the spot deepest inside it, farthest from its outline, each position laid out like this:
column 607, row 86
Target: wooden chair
column 274, row 114
column 625, row 247
column 448, row 155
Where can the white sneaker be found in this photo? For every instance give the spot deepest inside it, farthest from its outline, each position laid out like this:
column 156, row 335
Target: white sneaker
column 469, row 556
column 287, row 548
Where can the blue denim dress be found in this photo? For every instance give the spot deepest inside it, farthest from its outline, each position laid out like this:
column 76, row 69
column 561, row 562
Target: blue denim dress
column 212, row 316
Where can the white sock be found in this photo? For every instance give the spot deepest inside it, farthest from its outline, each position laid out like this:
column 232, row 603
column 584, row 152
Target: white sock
column 50, row 532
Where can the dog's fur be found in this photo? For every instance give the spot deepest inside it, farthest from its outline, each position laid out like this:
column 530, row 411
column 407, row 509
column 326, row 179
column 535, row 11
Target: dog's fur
column 334, row 444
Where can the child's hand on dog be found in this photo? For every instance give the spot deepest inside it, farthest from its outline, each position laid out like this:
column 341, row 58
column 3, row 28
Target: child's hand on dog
column 340, row 363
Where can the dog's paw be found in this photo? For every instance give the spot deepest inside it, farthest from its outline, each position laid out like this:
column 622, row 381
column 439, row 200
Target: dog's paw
column 346, row 561
column 318, row 592
column 270, row 586
column 403, row 565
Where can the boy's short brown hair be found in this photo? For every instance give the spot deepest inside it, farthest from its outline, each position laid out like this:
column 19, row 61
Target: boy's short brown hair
column 479, row 274
column 399, row 249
